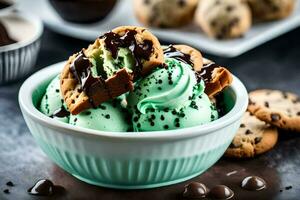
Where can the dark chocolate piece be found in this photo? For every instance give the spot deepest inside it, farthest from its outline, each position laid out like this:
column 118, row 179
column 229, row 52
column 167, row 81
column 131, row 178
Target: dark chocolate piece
column 221, row 192
column 195, row 190
column 43, row 187
column 10, row 184
column 60, row 113
column 253, row 183
column 5, row 39
column 206, row 72
column 172, row 52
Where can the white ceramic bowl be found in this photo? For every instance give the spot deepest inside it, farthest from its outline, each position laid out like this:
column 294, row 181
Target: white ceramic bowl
column 18, row 59
column 128, row 159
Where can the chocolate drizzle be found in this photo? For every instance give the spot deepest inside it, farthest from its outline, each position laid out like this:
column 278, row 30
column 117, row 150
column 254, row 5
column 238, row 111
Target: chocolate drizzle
column 5, row 39
column 206, row 72
column 142, row 51
column 60, row 113
column 172, row 52
column 81, row 69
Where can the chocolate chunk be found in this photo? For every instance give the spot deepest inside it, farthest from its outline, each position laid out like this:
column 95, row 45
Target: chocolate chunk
column 10, row 184
column 288, row 187
column 229, row 8
column 298, row 113
column 6, row 191
column 242, row 126
column 181, row 3
column 248, row 132
column 267, row 104
column 221, row 192
column 60, row 113
column 275, row 117
column 43, row 187
column 195, row 190
column 257, row 140
column 253, row 183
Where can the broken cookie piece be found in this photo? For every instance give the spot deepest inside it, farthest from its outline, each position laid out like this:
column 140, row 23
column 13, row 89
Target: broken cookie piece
column 109, row 67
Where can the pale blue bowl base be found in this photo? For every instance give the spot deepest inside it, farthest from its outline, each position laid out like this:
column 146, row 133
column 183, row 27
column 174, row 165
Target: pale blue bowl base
column 130, row 187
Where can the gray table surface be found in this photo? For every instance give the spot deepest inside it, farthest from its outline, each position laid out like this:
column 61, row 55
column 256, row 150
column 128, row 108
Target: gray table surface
column 272, row 65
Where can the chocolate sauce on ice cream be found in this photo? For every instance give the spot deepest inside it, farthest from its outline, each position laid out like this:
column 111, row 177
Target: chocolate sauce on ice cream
column 5, row 39
column 206, row 72
column 114, row 41
column 172, row 52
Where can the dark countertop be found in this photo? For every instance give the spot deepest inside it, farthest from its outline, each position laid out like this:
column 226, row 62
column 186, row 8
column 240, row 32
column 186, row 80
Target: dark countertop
column 272, row 65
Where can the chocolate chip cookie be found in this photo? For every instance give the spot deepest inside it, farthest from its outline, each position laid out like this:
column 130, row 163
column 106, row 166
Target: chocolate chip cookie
column 254, row 137
column 264, row 10
column 108, row 68
column 223, row 19
column 281, row 109
column 163, row 14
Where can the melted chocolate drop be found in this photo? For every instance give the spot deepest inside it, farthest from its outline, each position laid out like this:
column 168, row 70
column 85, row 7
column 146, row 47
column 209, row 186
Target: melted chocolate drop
column 221, row 192
column 43, row 187
column 172, row 52
column 60, row 113
column 253, row 183
column 4, row 36
column 195, row 190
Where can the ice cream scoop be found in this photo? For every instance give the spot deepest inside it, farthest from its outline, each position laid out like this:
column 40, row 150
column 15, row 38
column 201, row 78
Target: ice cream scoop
column 52, row 103
column 169, row 98
column 109, row 116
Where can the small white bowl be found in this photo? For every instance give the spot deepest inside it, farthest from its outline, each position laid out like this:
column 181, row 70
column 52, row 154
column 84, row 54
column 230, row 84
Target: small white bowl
column 130, row 160
column 18, row 59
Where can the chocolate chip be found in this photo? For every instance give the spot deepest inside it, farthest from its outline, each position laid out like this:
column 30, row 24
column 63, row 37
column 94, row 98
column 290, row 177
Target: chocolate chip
column 288, row 187
column 298, row 113
column 6, row 191
column 251, row 102
column 213, row 23
column 242, row 126
column 138, row 125
column 248, row 132
column 107, row 116
column 221, row 192
column 152, row 123
column 253, row 183
column 267, row 104
column 232, row 145
column 229, row 8
column 181, row 3
column 284, row 95
column 166, row 127
column 275, row 117
column 257, row 139
column 9, row 183
column 195, row 190
column 162, row 118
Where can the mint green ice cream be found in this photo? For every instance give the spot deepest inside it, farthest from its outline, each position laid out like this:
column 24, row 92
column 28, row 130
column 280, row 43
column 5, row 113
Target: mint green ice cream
column 52, row 101
column 109, row 116
column 170, row 98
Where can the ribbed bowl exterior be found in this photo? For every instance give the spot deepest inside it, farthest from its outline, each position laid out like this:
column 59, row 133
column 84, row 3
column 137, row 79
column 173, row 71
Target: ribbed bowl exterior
column 131, row 164
column 17, row 63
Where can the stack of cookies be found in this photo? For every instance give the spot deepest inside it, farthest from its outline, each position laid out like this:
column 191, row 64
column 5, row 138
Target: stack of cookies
column 268, row 111
column 221, row 19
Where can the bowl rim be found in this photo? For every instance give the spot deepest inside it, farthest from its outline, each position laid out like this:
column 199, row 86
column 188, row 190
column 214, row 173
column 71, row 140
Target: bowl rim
column 28, row 109
column 36, row 21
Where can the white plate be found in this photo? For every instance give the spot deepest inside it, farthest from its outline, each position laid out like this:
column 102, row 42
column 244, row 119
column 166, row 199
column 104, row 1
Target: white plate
column 123, row 15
